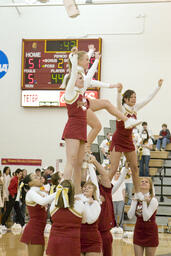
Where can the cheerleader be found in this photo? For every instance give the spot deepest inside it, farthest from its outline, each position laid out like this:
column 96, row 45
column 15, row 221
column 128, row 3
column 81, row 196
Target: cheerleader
column 122, row 138
column 96, row 104
column 106, row 218
column 91, row 242
column 67, row 213
column 36, row 200
column 75, row 132
column 146, row 230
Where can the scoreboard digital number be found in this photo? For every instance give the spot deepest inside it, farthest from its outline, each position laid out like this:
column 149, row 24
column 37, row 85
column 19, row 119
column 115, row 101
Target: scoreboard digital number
column 45, row 62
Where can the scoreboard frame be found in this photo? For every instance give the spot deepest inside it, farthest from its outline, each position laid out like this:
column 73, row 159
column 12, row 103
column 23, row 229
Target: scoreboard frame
column 45, row 62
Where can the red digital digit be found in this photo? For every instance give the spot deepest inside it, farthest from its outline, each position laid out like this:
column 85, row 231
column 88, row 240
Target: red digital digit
column 31, row 63
column 31, row 78
column 39, row 63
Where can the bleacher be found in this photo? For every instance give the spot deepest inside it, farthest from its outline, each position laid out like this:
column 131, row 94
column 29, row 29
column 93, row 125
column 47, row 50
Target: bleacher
column 159, row 170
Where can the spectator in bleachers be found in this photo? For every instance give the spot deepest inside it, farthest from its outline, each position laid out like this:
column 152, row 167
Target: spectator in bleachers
column 136, row 138
column 145, row 127
column 46, row 185
column 24, row 173
column 118, row 199
column 146, row 145
column 164, row 138
column 48, row 172
column 128, row 184
column 104, row 147
column 38, row 172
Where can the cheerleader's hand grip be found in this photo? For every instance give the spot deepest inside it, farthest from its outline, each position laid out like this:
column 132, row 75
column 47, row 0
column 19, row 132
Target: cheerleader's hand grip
column 91, row 47
column 74, row 50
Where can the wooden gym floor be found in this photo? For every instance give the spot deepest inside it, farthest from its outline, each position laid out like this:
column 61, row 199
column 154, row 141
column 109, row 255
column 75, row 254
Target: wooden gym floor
column 11, row 246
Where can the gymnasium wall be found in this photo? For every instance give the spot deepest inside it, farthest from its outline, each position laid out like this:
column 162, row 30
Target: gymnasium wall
column 136, row 51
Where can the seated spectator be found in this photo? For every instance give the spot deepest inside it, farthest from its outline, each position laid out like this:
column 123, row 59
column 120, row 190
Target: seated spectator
column 146, row 145
column 164, row 138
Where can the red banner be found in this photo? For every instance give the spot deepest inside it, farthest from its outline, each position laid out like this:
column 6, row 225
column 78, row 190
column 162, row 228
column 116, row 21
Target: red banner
column 15, row 161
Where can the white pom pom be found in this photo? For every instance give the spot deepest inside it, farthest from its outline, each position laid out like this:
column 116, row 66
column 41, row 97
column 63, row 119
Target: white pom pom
column 16, row 229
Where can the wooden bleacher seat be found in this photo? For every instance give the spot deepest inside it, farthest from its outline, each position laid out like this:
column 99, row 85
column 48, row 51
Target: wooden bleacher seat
column 152, row 171
column 168, row 147
column 155, row 137
column 156, row 163
column 159, row 154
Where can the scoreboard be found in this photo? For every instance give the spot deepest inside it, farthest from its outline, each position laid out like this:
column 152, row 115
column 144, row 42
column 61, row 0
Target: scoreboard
column 45, row 62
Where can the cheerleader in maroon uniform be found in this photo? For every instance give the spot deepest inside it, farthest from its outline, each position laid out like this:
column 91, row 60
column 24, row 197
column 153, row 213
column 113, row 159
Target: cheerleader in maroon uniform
column 96, row 104
column 36, row 200
column 122, row 138
column 66, row 213
column 75, row 132
column 91, row 242
column 107, row 220
column 146, row 230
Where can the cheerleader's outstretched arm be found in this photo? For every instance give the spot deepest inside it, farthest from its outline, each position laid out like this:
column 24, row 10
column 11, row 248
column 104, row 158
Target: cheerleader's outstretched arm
column 38, row 199
column 120, row 180
column 119, row 98
column 149, row 210
column 70, row 92
column 105, row 180
column 142, row 103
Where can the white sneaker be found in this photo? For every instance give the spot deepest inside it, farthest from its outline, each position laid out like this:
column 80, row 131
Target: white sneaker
column 71, row 8
column 3, row 227
column 139, row 196
column 131, row 122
